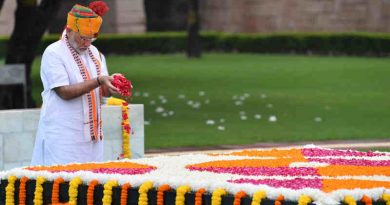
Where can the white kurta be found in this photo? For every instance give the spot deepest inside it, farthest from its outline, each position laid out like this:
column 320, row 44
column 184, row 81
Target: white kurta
column 60, row 136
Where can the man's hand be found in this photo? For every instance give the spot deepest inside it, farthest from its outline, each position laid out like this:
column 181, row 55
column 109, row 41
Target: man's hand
column 108, row 88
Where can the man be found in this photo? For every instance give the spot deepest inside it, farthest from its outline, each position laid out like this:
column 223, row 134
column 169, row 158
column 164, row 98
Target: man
column 75, row 77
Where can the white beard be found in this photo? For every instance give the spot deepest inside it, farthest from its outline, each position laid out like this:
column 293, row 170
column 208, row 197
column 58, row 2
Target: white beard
column 73, row 43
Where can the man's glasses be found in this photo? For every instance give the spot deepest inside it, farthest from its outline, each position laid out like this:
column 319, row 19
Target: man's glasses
column 83, row 38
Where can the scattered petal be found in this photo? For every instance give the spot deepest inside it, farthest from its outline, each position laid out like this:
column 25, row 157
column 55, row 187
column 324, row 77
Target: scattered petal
column 272, row 118
column 159, row 109
column 238, row 103
column 181, row 96
column 221, row 128
column 196, row 105
column 243, row 117
column 201, row 93
column 317, row 119
column 210, row 122
column 257, row 116
column 145, row 95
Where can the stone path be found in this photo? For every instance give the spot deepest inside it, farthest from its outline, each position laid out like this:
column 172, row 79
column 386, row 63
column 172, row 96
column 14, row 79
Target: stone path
column 336, row 144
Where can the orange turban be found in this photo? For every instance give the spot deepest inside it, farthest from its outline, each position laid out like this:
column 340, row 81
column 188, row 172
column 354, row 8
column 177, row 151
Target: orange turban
column 86, row 21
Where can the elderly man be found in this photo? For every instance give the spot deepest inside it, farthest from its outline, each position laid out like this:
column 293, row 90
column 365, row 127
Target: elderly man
column 75, row 77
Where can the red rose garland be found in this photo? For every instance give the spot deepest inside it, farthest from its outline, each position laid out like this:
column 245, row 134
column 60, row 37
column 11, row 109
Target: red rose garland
column 123, row 85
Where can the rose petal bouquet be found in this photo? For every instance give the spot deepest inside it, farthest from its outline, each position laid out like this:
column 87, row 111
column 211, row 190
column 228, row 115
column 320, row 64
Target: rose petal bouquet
column 123, row 85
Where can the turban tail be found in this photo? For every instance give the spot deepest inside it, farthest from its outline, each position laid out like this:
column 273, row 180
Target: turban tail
column 84, row 21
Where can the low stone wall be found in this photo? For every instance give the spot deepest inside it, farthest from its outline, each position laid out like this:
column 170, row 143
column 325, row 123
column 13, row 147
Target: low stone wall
column 18, row 130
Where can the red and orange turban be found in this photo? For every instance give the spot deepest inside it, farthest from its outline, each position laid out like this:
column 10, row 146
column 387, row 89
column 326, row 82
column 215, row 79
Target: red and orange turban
column 87, row 20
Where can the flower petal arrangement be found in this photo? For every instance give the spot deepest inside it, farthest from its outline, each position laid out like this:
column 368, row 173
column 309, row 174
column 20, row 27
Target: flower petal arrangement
column 123, row 85
column 304, row 175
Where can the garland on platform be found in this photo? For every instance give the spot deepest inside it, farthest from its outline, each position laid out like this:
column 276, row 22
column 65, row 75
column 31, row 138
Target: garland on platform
column 10, row 191
column 107, row 193
column 124, row 195
column 55, row 198
column 366, row 200
column 198, row 196
column 143, row 192
column 91, row 190
column 238, row 196
column 216, row 197
column 304, row 200
column 258, row 197
column 73, row 186
column 160, row 193
column 125, row 125
column 349, row 200
column 38, row 197
column 180, row 194
column 386, row 198
column 22, row 190
column 279, row 200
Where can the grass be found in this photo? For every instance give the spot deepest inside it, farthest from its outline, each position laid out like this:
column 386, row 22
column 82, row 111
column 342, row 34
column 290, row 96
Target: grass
column 313, row 98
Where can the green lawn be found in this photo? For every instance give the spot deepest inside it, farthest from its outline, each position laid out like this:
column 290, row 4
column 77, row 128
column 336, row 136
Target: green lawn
column 313, row 98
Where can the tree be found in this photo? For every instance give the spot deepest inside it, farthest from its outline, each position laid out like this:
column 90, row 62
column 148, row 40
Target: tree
column 193, row 41
column 31, row 21
column 1, row 4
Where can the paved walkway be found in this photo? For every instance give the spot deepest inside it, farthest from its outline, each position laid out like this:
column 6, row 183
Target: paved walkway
column 336, row 144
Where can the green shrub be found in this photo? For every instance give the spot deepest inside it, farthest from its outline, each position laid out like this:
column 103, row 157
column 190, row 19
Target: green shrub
column 169, row 42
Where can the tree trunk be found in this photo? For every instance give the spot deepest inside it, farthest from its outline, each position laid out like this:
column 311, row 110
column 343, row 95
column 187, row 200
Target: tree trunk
column 1, row 4
column 31, row 22
column 193, row 44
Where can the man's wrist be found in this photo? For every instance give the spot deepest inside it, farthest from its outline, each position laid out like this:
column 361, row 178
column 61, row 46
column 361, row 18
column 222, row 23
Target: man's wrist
column 98, row 81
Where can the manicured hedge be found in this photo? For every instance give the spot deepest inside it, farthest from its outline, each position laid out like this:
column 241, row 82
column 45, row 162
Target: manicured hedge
column 376, row 44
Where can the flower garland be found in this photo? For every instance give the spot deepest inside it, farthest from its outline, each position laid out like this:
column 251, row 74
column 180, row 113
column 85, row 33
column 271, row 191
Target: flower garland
column 124, row 194
column 258, row 197
column 160, row 193
column 216, row 197
column 10, row 191
column 22, row 190
column 180, row 194
column 198, row 196
column 279, row 200
column 91, row 189
column 386, row 198
column 125, row 125
column 366, row 200
column 56, row 190
column 304, row 200
column 238, row 196
column 349, row 200
column 107, row 193
column 126, row 131
column 143, row 192
column 73, row 186
column 38, row 198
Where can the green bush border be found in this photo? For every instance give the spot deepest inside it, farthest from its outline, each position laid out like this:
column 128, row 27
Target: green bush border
column 371, row 44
